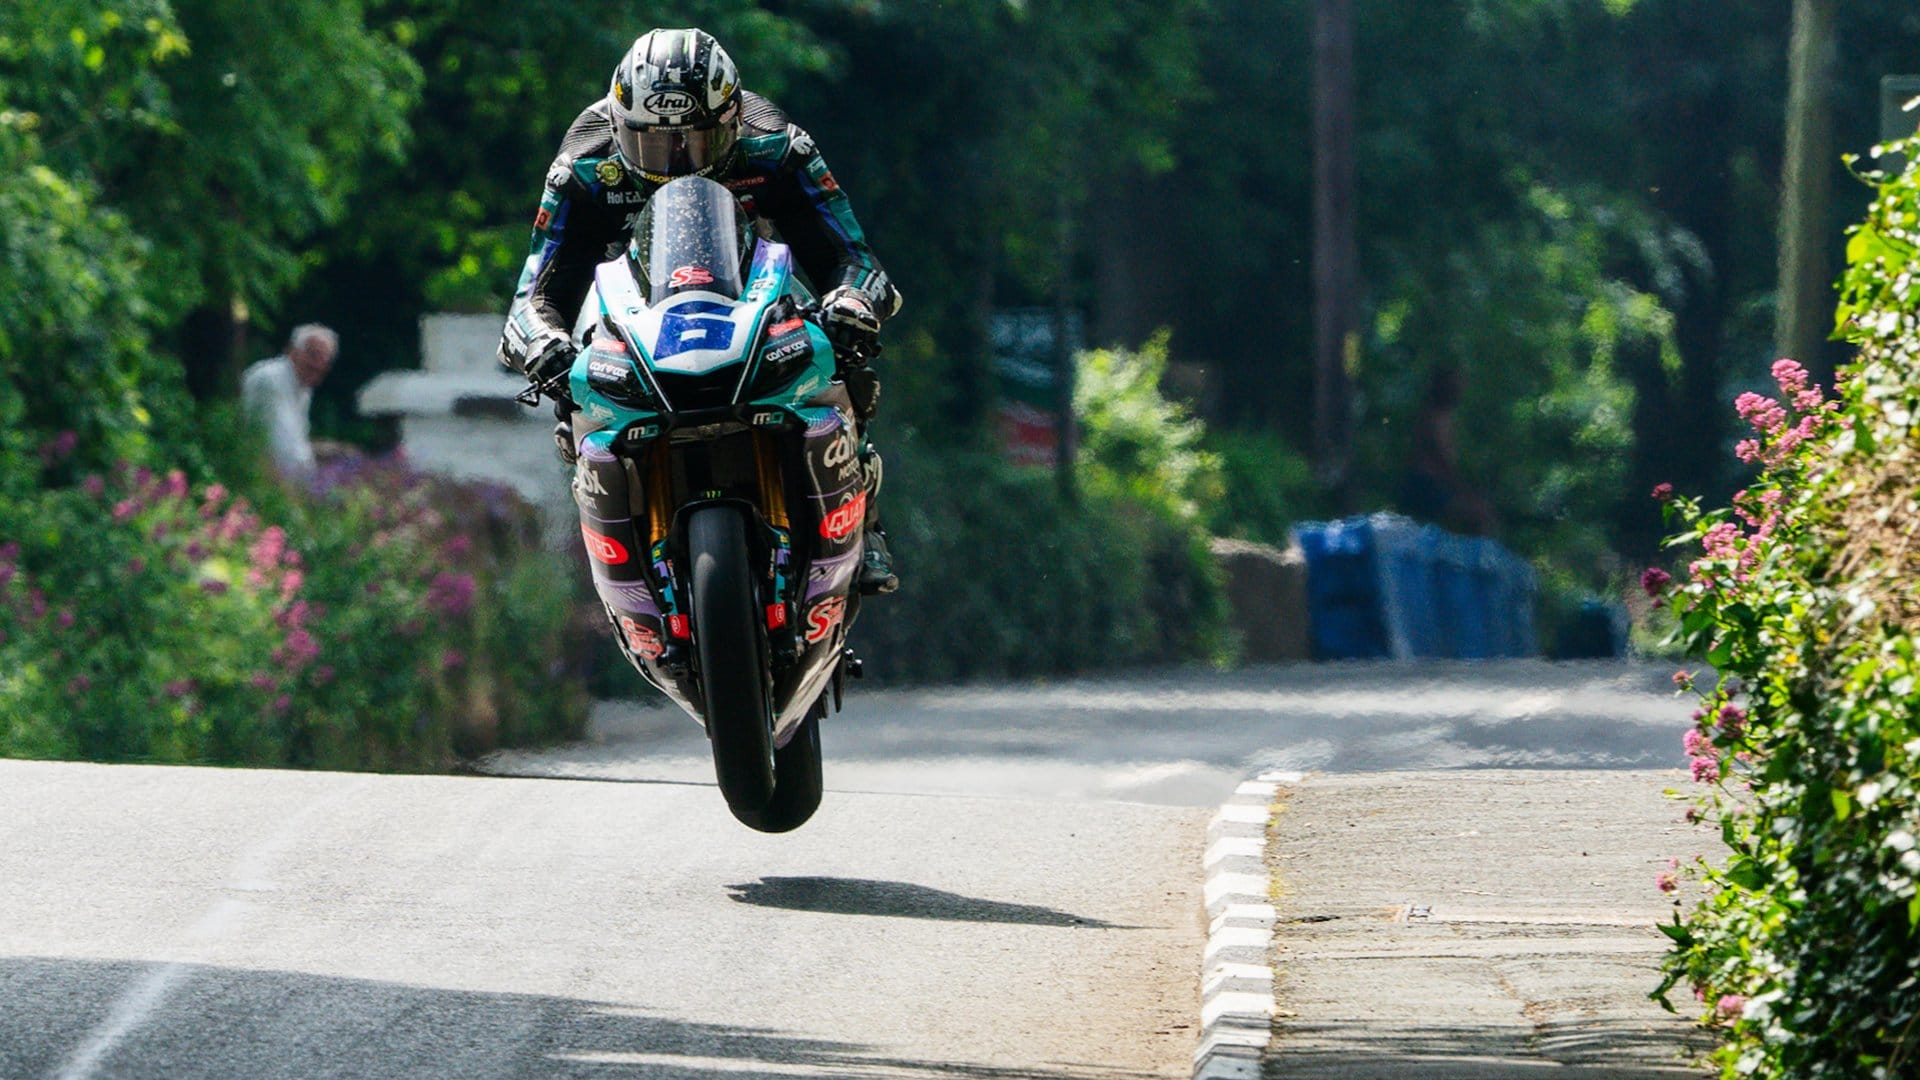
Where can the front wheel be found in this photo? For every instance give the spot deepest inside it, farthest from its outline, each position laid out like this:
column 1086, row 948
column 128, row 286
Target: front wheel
column 732, row 649
column 798, row 780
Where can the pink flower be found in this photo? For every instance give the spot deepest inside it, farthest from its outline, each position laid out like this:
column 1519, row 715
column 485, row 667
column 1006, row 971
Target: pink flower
column 1747, row 450
column 79, row 685
column 213, row 587
column 451, row 659
column 281, row 704
column 94, row 485
column 323, row 675
column 179, row 688
column 65, row 618
column 176, row 484
column 1667, row 883
column 1663, row 492
column 1696, row 744
column 268, row 548
column 451, row 594
column 1733, row 719
column 136, row 566
column 59, row 448
column 1731, row 1005
column 125, row 509
column 290, row 584
column 1764, row 413
column 300, row 650
column 1655, row 580
column 1790, row 375
column 6, row 573
column 261, row 681
column 1683, row 679
column 457, row 548
column 1719, row 541
column 1705, row 770
column 1808, row 400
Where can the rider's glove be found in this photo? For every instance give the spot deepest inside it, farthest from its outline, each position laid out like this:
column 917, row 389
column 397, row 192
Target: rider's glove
column 850, row 323
column 549, row 356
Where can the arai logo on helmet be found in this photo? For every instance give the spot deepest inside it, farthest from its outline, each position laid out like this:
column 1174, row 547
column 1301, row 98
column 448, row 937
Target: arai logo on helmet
column 669, row 103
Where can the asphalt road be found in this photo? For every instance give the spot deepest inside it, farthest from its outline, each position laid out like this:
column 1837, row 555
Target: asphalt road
column 1185, row 738
column 1003, row 883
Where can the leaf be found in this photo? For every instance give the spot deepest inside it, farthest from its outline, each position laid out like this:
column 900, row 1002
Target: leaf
column 1842, row 804
column 1678, row 931
column 1747, row 874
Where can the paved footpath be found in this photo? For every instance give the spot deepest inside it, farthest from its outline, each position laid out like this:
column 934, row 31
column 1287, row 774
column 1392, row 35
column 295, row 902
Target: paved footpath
column 1476, row 924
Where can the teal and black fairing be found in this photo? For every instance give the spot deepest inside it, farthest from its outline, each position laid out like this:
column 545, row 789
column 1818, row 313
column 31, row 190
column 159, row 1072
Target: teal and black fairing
column 778, row 368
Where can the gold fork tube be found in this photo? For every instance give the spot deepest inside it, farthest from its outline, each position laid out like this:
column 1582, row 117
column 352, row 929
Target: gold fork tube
column 773, row 495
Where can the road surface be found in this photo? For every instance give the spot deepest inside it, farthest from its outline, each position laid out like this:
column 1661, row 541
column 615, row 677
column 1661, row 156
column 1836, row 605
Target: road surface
column 1003, row 883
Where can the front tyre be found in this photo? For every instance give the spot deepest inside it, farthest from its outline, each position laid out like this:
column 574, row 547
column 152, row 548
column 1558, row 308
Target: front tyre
column 732, row 649
column 798, row 780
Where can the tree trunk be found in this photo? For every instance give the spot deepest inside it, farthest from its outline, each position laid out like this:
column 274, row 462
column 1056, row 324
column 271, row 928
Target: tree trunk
column 1805, row 305
column 1335, row 251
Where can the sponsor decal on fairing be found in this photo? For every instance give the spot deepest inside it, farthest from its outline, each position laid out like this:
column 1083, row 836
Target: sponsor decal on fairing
column 824, row 617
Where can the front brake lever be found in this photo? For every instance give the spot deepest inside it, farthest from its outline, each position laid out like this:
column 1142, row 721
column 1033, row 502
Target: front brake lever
column 530, row 396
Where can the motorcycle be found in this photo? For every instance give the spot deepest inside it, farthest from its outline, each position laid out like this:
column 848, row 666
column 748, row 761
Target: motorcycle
column 722, row 481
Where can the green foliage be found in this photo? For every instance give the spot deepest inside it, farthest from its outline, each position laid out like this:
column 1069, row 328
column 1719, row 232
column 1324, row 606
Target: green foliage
column 1266, row 487
column 1134, row 443
column 1001, row 578
column 1536, row 322
column 389, row 624
column 1807, row 948
column 232, row 129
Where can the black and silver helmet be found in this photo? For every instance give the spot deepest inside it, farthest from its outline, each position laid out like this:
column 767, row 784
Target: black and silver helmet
column 675, row 103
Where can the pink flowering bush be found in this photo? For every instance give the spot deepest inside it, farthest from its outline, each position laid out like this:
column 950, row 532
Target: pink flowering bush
column 390, row 622
column 1804, row 597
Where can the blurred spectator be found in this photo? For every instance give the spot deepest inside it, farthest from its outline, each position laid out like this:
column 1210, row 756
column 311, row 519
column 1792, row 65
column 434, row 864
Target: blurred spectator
column 1432, row 489
column 277, row 393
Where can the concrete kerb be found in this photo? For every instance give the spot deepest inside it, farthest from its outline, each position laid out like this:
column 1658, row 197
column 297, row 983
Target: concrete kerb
column 1236, row 981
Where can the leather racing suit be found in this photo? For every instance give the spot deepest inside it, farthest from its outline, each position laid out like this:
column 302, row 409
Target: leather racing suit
column 592, row 201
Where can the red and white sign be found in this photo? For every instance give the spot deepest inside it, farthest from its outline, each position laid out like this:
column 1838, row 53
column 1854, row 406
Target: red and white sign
column 824, row 617
column 776, row 616
column 787, row 327
column 690, row 275
column 643, row 640
column 679, row 627
column 604, row 548
column 839, row 524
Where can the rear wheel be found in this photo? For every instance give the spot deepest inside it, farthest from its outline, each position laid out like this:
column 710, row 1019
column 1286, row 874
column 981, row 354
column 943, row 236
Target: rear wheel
column 797, row 779
column 732, row 649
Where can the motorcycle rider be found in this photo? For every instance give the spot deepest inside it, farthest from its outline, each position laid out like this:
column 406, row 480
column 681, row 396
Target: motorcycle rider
column 676, row 108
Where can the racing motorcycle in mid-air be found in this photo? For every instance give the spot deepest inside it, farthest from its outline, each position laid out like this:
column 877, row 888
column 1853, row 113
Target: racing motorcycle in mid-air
column 723, row 489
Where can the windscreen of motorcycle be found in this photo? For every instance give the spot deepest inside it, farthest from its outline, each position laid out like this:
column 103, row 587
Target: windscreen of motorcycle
column 691, row 237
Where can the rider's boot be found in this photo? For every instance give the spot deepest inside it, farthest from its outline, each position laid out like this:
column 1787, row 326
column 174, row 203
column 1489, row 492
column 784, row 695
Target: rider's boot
column 876, row 570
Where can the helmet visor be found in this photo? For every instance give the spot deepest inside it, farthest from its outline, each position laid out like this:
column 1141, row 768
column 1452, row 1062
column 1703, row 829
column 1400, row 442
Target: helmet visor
column 667, row 152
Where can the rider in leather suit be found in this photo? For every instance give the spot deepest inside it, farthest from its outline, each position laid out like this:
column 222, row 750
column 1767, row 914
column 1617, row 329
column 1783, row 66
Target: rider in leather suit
column 676, row 109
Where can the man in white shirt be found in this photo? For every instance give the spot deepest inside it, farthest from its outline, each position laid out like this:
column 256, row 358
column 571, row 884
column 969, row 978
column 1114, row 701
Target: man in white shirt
column 278, row 391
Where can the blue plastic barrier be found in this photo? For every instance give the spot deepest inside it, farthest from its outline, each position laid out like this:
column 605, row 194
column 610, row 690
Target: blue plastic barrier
column 1381, row 585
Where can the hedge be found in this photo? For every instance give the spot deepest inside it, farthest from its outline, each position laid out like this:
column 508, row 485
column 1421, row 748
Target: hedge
column 1805, row 599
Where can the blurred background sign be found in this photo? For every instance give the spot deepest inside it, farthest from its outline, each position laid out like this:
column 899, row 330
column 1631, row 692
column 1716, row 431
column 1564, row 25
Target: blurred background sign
column 1031, row 371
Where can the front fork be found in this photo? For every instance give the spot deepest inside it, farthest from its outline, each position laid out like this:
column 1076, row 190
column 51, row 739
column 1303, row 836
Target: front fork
column 626, row 516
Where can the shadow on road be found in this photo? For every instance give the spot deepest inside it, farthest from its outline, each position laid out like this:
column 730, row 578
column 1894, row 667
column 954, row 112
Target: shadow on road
column 227, row 1022
column 859, row 896
column 1592, row 1049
